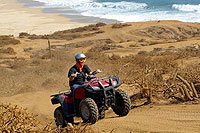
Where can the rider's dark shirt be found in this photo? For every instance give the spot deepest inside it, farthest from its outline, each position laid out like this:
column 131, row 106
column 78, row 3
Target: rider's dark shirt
column 80, row 78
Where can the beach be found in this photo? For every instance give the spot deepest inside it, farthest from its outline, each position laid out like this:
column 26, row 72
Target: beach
column 14, row 19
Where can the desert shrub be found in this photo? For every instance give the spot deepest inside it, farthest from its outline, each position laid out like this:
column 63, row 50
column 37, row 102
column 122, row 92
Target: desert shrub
column 99, row 48
column 7, row 40
column 120, row 25
column 80, row 29
column 9, row 50
column 133, row 45
column 143, row 53
column 157, row 49
column 18, row 63
column 171, row 47
column 141, row 40
column 23, row 34
column 171, row 33
column 100, row 31
column 28, row 49
column 100, row 24
column 147, row 69
column 16, row 119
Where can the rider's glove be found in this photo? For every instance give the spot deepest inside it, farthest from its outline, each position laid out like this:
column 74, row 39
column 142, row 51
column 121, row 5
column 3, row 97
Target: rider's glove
column 74, row 75
column 96, row 71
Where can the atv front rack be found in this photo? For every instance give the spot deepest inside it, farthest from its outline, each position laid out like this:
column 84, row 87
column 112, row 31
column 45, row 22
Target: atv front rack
column 113, row 81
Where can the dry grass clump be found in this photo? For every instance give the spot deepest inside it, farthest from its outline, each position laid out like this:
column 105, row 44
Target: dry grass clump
column 37, row 73
column 18, row 63
column 6, row 40
column 74, row 129
column 100, row 24
column 16, row 119
column 91, row 27
column 62, row 35
column 98, row 42
column 183, row 85
column 70, row 34
column 23, row 34
column 120, row 25
column 169, row 33
column 149, row 69
column 9, row 50
column 143, row 53
column 105, row 46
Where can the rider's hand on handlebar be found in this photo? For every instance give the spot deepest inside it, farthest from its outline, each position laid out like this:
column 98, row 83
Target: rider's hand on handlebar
column 98, row 71
column 74, row 75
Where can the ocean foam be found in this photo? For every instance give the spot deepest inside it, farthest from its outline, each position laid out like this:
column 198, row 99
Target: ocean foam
column 149, row 16
column 83, row 5
column 90, row 4
column 127, row 11
column 187, row 7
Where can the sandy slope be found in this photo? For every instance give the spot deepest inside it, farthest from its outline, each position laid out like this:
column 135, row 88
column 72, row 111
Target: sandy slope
column 36, row 102
column 181, row 118
column 150, row 118
column 15, row 19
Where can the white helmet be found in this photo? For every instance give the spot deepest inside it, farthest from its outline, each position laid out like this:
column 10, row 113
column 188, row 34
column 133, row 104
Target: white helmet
column 79, row 56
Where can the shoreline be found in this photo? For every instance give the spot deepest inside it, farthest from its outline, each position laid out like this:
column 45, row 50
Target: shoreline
column 72, row 14
column 15, row 18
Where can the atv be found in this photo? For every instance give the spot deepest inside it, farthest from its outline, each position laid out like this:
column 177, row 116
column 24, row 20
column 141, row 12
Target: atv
column 90, row 101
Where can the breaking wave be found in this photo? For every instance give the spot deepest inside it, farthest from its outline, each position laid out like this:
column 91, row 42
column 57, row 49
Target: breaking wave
column 128, row 11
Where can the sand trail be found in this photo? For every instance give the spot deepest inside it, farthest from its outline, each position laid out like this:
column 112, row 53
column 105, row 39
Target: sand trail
column 150, row 118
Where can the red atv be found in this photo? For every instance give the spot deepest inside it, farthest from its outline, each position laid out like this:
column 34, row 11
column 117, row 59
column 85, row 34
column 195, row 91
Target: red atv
column 90, row 101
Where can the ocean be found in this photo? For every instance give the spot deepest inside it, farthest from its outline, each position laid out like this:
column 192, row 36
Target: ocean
column 127, row 10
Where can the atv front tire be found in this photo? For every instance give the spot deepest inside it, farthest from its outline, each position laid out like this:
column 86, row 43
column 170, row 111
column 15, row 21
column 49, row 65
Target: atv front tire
column 88, row 110
column 59, row 117
column 122, row 103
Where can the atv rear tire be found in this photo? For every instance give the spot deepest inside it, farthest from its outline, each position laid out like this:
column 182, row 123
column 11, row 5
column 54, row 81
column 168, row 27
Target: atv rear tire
column 88, row 110
column 59, row 117
column 122, row 103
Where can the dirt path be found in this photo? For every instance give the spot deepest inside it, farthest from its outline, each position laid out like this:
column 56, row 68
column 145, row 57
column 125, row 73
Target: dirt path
column 36, row 102
column 173, row 118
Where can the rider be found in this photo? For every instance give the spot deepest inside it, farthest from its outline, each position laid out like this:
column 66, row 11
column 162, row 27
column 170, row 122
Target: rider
column 76, row 77
column 77, row 72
